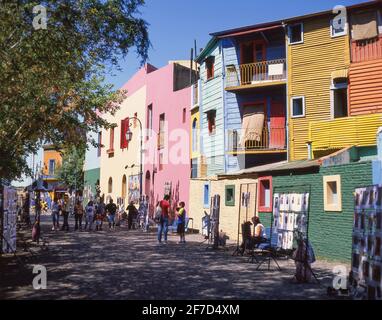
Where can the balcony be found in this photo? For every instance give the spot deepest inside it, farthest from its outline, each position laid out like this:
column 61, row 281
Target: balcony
column 344, row 132
column 259, row 74
column 272, row 140
column 161, row 139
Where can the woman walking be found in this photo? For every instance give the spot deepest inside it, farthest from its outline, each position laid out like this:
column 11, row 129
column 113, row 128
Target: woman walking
column 90, row 210
column 55, row 215
column 65, row 213
column 78, row 215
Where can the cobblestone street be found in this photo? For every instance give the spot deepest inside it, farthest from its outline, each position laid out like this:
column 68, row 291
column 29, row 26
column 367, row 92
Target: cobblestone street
column 119, row 264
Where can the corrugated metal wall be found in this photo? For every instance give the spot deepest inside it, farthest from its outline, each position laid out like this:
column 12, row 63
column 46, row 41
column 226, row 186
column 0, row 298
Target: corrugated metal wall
column 365, row 87
column 310, row 65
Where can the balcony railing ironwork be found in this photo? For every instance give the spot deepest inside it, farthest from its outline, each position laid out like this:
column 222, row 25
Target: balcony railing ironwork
column 256, row 73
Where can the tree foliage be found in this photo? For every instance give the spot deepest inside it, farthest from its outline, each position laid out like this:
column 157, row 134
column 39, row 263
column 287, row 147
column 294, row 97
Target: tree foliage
column 71, row 170
column 52, row 86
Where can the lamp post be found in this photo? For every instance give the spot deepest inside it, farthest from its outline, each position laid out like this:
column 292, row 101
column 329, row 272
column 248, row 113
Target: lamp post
column 129, row 137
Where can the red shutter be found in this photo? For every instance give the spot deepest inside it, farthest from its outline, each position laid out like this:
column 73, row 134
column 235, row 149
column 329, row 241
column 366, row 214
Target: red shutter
column 123, row 138
column 111, row 138
column 127, row 120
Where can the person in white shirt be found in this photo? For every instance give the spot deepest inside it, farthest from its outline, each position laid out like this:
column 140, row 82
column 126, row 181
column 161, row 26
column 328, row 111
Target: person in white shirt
column 259, row 232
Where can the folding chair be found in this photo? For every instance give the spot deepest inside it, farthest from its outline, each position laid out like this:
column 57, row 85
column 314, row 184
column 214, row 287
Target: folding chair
column 267, row 250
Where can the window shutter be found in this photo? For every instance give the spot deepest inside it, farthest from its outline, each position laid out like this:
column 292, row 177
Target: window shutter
column 123, row 138
column 127, row 120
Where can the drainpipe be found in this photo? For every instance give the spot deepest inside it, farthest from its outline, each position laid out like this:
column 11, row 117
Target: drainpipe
column 310, row 154
column 224, row 107
column 287, row 90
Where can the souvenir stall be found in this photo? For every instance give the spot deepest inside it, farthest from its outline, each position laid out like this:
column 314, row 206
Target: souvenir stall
column 8, row 219
column 366, row 246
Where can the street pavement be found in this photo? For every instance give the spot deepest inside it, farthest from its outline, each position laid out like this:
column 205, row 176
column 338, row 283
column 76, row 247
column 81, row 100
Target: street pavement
column 124, row 265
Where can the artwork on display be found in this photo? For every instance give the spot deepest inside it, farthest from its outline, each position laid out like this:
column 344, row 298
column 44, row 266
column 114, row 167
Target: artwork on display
column 245, row 199
column 9, row 223
column 168, row 189
column 134, row 189
column 290, row 211
column 367, row 235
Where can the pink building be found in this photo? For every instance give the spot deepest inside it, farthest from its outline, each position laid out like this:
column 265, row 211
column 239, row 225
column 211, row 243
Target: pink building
column 160, row 99
column 167, row 151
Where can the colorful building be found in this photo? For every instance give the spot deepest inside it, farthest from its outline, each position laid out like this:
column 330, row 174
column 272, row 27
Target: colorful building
column 312, row 84
column 159, row 101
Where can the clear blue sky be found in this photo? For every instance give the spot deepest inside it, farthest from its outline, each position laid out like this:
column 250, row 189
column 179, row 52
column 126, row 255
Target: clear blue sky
column 174, row 24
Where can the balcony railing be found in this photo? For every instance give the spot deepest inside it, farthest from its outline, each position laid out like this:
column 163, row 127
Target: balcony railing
column 270, row 139
column 161, row 139
column 256, row 73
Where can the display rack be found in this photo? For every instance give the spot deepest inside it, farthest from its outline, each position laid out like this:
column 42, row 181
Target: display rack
column 366, row 243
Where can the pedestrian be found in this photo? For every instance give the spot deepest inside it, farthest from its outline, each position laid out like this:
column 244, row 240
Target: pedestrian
column 55, row 215
column 90, row 210
column 111, row 209
column 36, row 231
column 101, row 209
column 132, row 214
column 65, row 213
column 163, row 220
column 78, row 215
column 181, row 214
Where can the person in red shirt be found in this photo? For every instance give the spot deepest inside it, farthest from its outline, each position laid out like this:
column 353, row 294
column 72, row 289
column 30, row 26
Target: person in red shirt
column 163, row 223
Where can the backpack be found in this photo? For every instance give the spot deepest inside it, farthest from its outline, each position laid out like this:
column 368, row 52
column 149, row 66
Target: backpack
column 158, row 214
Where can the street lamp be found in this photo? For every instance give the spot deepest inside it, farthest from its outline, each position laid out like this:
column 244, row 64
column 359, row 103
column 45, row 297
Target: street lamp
column 129, row 137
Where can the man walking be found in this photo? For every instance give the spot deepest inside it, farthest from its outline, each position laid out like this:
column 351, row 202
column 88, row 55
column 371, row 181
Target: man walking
column 163, row 223
column 65, row 207
column 111, row 209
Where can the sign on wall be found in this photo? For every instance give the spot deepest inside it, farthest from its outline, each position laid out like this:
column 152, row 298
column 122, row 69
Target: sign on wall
column 9, row 222
column 134, row 189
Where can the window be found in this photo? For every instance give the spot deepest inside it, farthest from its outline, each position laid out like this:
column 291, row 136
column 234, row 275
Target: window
column 265, row 194
column 230, row 196
column 99, row 150
column 338, row 28
column 110, row 185
column 296, row 33
column 195, row 135
column 332, row 193
column 206, row 195
column 211, row 119
column 111, row 142
column 160, row 161
column 210, row 67
column 194, row 168
column 124, row 128
column 298, row 107
column 149, row 121
column 161, row 134
column 124, row 187
column 340, row 99
column 52, row 167
column 184, row 115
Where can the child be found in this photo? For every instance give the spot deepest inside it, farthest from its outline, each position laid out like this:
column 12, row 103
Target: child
column 181, row 222
column 99, row 219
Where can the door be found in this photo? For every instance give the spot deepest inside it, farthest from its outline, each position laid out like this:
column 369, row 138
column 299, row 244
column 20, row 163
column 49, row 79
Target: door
column 277, row 126
column 252, row 54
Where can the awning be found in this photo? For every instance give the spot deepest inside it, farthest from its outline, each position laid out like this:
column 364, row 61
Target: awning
column 365, row 25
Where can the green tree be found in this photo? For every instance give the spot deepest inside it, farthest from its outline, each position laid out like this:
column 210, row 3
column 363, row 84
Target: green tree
column 52, row 86
column 71, row 171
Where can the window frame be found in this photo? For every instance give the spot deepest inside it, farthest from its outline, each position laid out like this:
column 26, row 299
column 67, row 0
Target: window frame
column 260, row 205
column 329, row 207
column 303, row 107
column 149, row 121
column 302, row 33
column 232, row 202
column 339, row 86
column 51, row 173
column 206, row 205
column 211, row 131
column 210, row 67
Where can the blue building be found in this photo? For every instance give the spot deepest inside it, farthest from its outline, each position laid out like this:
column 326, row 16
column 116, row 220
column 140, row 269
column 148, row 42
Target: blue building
column 243, row 98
